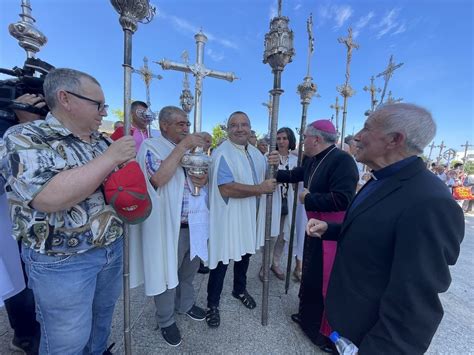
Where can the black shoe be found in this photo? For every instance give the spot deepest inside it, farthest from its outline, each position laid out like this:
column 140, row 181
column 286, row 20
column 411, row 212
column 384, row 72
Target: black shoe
column 246, row 299
column 296, row 318
column 171, row 335
column 196, row 313
column 203, row 269
column 27, row 345
column 213, row 318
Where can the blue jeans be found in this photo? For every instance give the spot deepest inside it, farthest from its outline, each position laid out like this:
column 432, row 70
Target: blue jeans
column 75, row 297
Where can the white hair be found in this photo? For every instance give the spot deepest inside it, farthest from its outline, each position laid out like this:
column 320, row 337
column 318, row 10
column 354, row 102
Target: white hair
column 415, row 122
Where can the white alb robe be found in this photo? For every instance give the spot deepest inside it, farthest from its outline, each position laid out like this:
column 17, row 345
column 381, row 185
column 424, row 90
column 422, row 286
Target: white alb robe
column 154, row 243
column 236, row 227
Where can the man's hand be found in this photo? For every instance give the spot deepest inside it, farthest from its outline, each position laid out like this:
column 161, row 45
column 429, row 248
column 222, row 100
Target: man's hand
column 316, row 228
column 32, row 100
column 121, row 150
column 268, row 186
column 191, row 141
column 274, row 158
column 303, row 195
column 199, row 181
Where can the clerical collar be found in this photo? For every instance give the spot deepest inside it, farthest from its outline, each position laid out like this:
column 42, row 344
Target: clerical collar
column 238, row 146
column 392, row 168
column 324, row 152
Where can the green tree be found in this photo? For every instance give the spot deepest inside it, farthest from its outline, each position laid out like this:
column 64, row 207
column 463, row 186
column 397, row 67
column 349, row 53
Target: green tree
column 118, row 113
column 218, row 134
column 469, row 167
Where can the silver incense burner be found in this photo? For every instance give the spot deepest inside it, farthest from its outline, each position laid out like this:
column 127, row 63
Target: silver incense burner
column 196, row 163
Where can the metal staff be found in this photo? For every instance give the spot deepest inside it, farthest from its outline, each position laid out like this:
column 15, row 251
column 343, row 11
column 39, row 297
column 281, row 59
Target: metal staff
column 336, row 107
column 466, row 147
column 387, row 74
column 346, row 90
column 441, row 147
column 306, row 90
column 429, row 155
column 278, row 53
column 131, row 12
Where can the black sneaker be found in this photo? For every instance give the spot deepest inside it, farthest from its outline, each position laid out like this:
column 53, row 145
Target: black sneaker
column 25, row 345
column 196, row 313
column 171, row 335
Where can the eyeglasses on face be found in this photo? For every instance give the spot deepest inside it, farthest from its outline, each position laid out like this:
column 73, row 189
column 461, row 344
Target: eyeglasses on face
column 100, row 106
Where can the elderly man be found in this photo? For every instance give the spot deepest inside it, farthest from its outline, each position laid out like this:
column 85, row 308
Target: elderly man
column 262, row 146
column 237, row 212
column 71, row 240
column 400, row 234
column 139, row 128
column 161, row 254
column 330, row 178
column 253, row 138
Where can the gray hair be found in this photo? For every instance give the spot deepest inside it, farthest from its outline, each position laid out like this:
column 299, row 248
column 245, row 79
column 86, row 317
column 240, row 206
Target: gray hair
column 238, row 113
column 63, row 79
column 415, row 122
column 167, row 114
column 327, row 137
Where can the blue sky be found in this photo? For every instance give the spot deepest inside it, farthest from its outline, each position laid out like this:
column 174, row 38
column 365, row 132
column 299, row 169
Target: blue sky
column 434, row 40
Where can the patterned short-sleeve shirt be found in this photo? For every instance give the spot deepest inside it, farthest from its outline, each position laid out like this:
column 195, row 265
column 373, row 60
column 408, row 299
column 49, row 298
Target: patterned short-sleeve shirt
column 35, row 153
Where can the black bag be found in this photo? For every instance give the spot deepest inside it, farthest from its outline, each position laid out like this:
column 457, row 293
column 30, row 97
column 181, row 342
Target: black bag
column 284, row 206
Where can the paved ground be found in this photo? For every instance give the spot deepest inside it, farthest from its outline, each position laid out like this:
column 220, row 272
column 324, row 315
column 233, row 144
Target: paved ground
column 242, row 333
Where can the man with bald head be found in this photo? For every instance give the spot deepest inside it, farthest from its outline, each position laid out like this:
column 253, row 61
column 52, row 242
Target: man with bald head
column 401, row 233
column 237, row 212
column 71, row 239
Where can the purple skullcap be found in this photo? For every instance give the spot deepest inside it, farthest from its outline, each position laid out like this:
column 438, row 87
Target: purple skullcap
column 324, row 126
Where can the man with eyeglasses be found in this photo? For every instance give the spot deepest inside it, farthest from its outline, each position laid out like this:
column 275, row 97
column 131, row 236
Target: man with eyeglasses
column 161, row 255
column 330, row 178
column 139, row 128
column 237, row 213
column 71, row 240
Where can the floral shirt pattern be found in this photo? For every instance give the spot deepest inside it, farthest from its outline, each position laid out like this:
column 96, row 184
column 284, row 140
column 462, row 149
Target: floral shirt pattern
column 35, row 153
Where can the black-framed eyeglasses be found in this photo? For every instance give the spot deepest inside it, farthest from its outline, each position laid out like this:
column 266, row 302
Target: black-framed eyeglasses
column 100, row 106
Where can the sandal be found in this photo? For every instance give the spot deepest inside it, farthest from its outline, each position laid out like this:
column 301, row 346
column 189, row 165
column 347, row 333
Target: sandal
column 213, row 319
column 297, row 275
column 246, row 299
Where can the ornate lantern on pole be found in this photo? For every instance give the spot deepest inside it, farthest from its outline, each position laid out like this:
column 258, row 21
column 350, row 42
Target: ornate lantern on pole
column 131, row 12
column 307, row 89
column 278, row 53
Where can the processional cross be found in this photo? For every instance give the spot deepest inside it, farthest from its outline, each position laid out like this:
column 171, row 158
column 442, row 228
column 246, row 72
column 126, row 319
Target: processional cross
column 432, row 146
column 269, row 105
column 387, row 74
column 441, row 147
column 392, row 100
column 147, row 76
column 200, row 72
column 373, row 93
column 466, row 147
column 336, row 107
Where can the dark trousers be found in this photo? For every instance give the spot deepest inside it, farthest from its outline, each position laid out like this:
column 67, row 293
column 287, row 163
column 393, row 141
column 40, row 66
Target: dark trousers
column 21, row 312
column 311, row 305
column 216, row 280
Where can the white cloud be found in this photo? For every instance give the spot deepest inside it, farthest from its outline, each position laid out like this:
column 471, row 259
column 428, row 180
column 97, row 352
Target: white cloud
column 335, row 13
column 363, row 21
column 185, row 26
column 390, row 24
column 297, row 7
column 217, row 57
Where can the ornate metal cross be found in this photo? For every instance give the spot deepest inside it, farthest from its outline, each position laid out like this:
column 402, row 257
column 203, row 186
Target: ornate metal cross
column 200, row 72
column 387, row 74
column 336, row 107
column 346, row 90
column 147, row 77
column 466, row 147
column 373, row 93
column 441, row 147
column 432, row 146
column 269, row 105
column 392, row 100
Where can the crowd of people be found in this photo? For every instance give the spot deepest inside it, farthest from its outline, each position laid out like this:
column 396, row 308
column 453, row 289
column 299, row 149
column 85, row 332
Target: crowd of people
column 372, row 246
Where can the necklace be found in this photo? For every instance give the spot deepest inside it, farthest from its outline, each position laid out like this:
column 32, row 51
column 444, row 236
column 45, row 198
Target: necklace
column 314, row 171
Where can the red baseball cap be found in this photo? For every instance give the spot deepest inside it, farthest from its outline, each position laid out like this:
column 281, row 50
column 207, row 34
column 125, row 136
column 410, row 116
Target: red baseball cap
column 324, row 126
column 125, row 190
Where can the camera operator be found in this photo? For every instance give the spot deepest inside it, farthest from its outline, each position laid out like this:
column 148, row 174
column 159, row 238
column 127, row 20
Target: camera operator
column 20, row 304
column 141, row 117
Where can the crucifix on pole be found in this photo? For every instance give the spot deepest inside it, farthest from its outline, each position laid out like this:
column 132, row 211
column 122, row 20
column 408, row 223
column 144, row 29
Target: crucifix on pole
column 336, row 107
column 200, row 72
column 387, row 74
column 268, row 105
column 466, row 147
column 392, row 100
column 346, row 90
column 432, row 146
column 147, row 76
column 441, row 147
column 373, row 93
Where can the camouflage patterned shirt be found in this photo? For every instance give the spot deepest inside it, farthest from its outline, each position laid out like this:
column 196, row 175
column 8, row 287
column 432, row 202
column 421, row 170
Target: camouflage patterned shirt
column 35, row 153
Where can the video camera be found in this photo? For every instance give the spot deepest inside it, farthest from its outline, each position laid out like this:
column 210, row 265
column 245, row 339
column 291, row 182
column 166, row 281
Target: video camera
column 25, row 82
